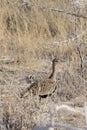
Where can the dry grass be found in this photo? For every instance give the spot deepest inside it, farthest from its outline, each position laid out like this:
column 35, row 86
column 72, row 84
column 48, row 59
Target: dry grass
column 29, row 37
column 25, row 30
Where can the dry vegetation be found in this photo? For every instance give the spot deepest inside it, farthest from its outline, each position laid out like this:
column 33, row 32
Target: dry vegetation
column 30, row 35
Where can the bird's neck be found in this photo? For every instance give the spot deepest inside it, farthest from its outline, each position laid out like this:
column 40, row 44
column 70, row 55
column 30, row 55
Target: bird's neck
column 52, row 75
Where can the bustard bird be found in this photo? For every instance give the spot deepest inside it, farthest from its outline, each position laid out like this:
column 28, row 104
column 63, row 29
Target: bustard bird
column 42, row 87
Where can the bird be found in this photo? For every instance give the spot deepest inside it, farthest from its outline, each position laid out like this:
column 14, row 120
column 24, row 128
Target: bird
column 42, row 87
